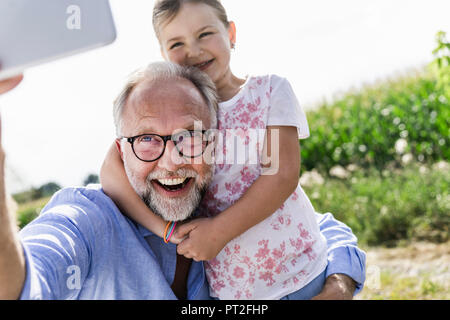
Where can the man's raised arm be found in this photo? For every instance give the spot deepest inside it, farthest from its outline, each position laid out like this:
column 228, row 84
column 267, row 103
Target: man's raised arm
column 12, row 261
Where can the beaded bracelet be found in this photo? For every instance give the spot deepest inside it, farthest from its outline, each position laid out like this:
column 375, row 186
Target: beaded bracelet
column 172, row 226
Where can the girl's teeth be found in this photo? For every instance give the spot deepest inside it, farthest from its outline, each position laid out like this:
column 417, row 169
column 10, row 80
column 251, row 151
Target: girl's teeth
column 171, row 182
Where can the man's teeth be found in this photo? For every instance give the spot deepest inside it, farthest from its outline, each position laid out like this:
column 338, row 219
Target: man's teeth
column 172, row 182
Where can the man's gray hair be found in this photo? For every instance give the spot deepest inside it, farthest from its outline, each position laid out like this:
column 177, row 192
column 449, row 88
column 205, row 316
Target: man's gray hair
column 159, row 71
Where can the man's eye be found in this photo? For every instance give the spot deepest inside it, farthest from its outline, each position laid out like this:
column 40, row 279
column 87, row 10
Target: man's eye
column 147, row 139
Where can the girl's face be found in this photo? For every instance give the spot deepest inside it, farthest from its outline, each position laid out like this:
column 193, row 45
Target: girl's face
column 197, row 37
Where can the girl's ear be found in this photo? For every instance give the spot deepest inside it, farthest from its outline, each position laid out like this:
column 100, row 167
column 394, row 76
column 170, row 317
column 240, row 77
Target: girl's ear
column 232, row 33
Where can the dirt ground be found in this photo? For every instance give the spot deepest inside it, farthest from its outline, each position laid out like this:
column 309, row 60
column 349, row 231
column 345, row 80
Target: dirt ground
column 416, row 271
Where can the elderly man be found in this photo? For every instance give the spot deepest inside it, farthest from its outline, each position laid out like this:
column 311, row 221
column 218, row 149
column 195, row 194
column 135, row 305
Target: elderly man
column 82, row 247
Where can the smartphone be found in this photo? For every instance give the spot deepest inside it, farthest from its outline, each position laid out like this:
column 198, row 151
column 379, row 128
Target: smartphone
column 33, row 32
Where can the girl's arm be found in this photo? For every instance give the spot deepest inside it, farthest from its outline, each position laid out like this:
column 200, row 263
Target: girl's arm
column 116, row 185
column 208, row 236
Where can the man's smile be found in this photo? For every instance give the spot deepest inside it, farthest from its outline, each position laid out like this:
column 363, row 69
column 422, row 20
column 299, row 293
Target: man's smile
column 173, row 187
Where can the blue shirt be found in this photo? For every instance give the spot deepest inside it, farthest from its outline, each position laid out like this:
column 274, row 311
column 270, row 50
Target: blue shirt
column 82, row 247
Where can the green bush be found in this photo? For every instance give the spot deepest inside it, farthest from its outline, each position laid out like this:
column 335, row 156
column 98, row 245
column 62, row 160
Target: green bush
column 29, row 211
column 363, row 127
column 382, row 208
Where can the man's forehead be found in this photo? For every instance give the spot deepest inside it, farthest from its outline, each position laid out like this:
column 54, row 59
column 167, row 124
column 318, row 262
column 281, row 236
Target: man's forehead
column 175, row 101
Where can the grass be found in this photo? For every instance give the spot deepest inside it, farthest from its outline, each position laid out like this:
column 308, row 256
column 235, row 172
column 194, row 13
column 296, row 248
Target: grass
column 397, row 287
column 383, row 208
column 417, row 271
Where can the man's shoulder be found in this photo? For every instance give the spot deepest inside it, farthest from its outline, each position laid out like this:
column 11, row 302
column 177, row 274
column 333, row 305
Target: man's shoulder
column 89, row 204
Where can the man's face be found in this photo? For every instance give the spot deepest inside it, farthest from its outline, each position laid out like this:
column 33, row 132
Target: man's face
column 173, row 185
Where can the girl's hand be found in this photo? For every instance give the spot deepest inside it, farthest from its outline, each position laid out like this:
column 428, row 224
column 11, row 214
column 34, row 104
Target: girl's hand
column 9, row 84
column 204, row 239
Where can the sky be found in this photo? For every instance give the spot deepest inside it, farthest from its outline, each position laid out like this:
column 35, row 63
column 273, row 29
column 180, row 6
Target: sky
column 57, row 125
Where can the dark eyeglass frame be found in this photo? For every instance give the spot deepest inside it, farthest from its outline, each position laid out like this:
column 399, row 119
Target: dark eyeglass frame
column 131, row 141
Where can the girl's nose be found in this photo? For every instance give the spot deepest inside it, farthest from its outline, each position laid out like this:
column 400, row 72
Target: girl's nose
column 194, row 51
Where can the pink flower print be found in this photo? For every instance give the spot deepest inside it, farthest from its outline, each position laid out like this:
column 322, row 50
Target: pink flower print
column 246, row 176
column 252, row 107
column 294, row 196
column 269, row 264
column 257, row 123
column 281, row 268
column 309, row 251
column 264, row 251
column 233, row 188
column 214, row 264
column 218, row 285
column 238, row 272
column 251, row 279
column 244, row 117
column 279, row 253
column 237, row 249
column 268, row 277
column 303, row 232
column 297, row 243
column 241, row 133
column 259, row 81
column 268, row 95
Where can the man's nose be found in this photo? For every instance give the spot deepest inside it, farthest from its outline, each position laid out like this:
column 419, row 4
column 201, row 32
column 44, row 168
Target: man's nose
column 171, row 160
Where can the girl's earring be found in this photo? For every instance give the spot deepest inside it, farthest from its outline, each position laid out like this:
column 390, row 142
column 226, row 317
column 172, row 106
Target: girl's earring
column 233, row 46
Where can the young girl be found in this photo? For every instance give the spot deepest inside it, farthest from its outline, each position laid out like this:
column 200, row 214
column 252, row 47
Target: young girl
column 258, row 232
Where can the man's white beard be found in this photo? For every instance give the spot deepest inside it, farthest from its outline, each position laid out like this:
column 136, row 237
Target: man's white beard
column 172, row 209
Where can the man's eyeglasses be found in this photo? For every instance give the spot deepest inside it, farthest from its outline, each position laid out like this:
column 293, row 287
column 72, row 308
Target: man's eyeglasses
column 151, row 147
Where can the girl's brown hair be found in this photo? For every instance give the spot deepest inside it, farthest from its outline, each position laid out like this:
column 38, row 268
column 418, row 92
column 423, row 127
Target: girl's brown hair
column 166, row 10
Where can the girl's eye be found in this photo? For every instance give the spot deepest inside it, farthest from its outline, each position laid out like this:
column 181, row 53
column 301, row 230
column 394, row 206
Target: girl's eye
column 204, row 34
column 175, row 45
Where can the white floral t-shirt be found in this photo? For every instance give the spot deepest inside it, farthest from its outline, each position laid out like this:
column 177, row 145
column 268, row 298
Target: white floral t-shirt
column 286, row 251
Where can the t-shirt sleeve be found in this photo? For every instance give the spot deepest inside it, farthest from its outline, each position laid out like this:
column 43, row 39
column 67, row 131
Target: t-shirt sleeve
column 57, row 247
column 285, row 110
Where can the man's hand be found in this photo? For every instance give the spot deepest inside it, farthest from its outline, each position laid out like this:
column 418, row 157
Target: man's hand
column 337, row 287
column 204, row 240
column 9, row 84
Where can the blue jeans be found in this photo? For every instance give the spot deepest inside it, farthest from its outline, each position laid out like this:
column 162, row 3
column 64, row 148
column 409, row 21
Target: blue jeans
column 309, row 291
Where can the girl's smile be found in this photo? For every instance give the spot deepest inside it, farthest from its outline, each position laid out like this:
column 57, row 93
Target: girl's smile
column 204, row 65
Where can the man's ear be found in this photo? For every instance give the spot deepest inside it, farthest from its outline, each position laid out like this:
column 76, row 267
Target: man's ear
column 119, row 148
column 232, row 32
